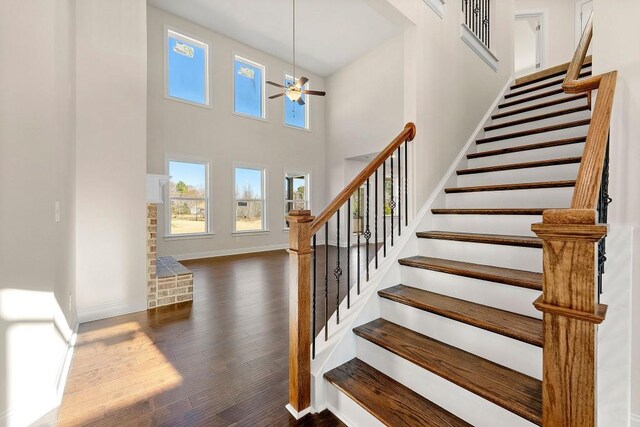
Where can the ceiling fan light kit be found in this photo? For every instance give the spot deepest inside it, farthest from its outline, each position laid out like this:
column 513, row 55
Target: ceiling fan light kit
column 295, row 89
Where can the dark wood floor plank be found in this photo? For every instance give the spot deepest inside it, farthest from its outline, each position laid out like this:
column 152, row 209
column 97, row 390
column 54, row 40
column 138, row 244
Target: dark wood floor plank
column 512, row 325
column 386, row 399
column 507, row 276
column 512, row 390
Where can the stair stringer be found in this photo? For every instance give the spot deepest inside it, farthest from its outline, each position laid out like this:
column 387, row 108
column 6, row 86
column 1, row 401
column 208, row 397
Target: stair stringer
column 341, row 345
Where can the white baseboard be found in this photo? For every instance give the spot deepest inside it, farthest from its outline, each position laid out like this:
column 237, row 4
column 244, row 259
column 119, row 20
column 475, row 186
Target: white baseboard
column 635, row 420
column 110, row 310
column 227, row 252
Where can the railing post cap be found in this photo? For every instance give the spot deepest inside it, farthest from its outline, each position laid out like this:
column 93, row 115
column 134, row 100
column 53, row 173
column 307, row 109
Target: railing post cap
column 300, row 216
column 412, row 128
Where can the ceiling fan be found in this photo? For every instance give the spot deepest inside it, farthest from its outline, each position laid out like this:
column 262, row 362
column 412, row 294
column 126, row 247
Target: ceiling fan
column 295, row 89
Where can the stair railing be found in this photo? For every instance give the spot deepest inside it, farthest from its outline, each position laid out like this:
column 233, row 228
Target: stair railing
column 352, row 212
column 569, row 301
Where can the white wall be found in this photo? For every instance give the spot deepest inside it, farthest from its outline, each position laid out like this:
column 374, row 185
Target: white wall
column 37, row 168
column 615, row 47
column 224, row 138
column 111, row 68
column 559, row 28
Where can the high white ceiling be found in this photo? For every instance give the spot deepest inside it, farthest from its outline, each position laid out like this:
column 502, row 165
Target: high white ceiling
column 330, row 33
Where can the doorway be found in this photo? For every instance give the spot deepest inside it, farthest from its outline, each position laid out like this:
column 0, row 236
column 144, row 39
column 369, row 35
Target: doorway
column 583, row 11
column 529, row 43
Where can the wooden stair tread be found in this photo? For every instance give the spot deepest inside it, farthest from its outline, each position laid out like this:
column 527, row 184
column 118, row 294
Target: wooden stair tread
column 507, row 187
column 543, row 85
column 512, row 390
column 507, row 276
column 525, row 165
column 539, row 106
column 587, row 64
column 494, row 239
column 534, row 131
column 537, row 118
column 528, row 147
column 542, row 95
column 390, row 402
column 488, row 211
column 512, row 325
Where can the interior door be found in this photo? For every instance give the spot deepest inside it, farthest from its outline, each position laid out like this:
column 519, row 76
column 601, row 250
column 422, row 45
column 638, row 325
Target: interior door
column 583, row 11
column 528, row 44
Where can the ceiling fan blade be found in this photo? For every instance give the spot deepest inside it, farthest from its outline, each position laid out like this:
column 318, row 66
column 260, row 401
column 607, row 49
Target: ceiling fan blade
column 275, row 84
column 278, row 95
column 301, row 82
column 314, row 92
column 300, row 101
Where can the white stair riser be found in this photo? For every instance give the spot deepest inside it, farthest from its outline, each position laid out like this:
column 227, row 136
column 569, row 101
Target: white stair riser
column 348, row 410
column 468, row 406
column 517, row 225
column 533, row 198
column 498, row 295
column 519, row 258
column 509, row 352
column 562, row 106
column 532, row 102
column 571, row 132
column 515, row 176
column 580, row 115
column 558, row 152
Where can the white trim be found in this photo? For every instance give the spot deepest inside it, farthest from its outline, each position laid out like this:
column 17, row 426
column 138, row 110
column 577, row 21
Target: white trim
column 227, row 252
column 635, row 420
column 251, row 232
column 188, row 236
column 111, row 310
column 264, row 199
column 245, row 60
column 478, row 47
column 578, row 21
column 437, row 6
column 297, row 415
column 543, row 43
column 193, row 40
column 307, row 191
column 66, row 364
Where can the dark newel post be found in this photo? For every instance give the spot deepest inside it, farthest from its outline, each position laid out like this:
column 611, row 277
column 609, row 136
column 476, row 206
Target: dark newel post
column 299, row 309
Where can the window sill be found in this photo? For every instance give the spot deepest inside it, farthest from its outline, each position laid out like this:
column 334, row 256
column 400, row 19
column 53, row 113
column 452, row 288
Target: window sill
column 189, row 236
column 247, row 116
column 250, row 233
column 478, row 47
column 437, row 6
column 184, row 101
column 296, row 128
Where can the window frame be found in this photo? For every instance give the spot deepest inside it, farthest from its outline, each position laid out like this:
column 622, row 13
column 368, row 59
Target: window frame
column 238, row 57
column 265, row 223
column 307, row 126
column 307, row 193
column 188, row 38
column 167, row 192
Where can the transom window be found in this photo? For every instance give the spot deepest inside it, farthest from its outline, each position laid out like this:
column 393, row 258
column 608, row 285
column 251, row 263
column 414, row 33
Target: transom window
column 296, row 115
column 296, row 193
column 250, row 200
column 187, row 69
column 188, row 207
column 248, row 84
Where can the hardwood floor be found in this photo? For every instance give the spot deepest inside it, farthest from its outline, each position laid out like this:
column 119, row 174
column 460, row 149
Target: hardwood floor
column 218, row 361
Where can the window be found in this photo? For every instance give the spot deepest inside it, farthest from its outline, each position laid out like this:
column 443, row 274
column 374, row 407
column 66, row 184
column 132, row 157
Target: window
column 296, row 115
column 296, row 193
column 188, row 207
column 250, row 200
column 248, row 84
column 187, row 69
column 388, row 195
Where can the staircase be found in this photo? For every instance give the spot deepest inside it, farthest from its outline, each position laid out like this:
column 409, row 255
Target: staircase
column 458, row 340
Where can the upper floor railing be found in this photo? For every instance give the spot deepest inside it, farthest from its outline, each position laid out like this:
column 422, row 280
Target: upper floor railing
column 477, row 16
column 332, row 254
column 571, row 278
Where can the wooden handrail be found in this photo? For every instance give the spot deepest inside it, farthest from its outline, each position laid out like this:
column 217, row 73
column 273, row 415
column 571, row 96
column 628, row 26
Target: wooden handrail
column 407, row 134
column 549, row 72
column 573, row 72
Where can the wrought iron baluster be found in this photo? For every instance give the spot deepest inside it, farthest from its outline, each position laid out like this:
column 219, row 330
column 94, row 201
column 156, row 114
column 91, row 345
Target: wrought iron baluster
column 384, row 205
column 313, row 316
column 406, row 185
column 489, row 24
column 349, row 253
column 326, row 281
column 367, row 232
column 392, row 202
column 337, row 272
column 375, row 220
column 603, row 208
column 358, row 240
column 399, row 193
